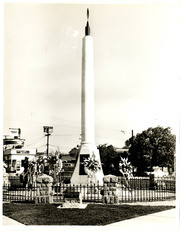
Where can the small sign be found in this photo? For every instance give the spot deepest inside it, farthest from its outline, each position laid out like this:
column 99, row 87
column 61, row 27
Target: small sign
column 72, row 195
column 15, row 132
column 22, row 151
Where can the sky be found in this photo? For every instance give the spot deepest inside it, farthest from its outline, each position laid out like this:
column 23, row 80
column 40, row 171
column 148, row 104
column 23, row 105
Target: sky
column 136, row 64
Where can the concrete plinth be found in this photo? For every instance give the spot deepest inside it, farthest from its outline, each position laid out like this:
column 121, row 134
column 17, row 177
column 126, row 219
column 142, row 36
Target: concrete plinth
column 79, row 176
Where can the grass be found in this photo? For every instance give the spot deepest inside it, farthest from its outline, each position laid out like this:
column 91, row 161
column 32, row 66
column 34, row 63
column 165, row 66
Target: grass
column 94, row 214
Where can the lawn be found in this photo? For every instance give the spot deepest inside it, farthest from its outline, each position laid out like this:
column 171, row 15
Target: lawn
column 94, row 214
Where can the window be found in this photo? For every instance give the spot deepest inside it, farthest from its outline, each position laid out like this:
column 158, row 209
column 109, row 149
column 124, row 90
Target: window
column 13, row 163
column 22, row 163
column 13, row 166
column 18, row 166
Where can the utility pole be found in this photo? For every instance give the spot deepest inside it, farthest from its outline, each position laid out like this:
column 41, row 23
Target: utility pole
column 47, row 130
column 132, row 138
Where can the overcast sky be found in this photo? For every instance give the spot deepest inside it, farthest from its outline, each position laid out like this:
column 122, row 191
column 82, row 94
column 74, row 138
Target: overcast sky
column 136, row 53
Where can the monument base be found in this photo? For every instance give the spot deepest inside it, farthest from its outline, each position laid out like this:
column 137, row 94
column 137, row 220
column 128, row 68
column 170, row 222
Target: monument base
column 72, row 205
column 79, row 176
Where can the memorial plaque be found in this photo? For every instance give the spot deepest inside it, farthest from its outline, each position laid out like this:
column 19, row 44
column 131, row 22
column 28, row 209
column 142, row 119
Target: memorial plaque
column 81, row 166
column 72, row 195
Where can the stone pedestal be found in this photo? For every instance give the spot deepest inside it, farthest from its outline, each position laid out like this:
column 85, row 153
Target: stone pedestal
column 110, row 194
column 73, row 200
column 44, row 189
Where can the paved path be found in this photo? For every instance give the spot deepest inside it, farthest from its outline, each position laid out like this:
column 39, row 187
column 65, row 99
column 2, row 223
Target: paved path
column 153, row 203
column 9, row 221
column 161, row 221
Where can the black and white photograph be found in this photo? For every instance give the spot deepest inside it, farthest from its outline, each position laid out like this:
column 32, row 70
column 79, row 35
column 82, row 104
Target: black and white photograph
column 90, row 114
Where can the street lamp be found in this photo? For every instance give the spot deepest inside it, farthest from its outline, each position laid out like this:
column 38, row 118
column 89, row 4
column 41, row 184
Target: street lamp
column 47, row 130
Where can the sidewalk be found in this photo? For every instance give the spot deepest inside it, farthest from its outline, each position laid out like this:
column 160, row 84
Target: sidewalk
column 161, row 221
column 9, row 221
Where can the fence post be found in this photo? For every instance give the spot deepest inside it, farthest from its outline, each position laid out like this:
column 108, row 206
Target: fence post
column 151, row 181
column 98, row 188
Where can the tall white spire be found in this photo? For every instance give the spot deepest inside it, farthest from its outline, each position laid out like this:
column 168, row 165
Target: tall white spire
column 87, row 87
column 87, row 148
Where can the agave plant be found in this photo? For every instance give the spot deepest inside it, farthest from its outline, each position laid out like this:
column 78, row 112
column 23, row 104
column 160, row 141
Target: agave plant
column 126, row 169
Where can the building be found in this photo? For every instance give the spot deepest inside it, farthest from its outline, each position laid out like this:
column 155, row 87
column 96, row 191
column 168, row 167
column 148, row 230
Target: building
column 14, row 153
column 14, row 159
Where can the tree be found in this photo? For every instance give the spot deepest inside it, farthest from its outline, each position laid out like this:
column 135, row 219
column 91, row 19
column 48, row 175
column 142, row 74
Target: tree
column 152, row 147
column 110, row 159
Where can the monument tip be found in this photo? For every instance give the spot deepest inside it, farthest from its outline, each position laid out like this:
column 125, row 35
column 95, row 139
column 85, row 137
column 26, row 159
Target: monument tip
column 87, row 28
column 87, row 14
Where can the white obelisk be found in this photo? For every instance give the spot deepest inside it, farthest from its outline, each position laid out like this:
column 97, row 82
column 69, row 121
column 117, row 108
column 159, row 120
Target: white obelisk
column 87, row 148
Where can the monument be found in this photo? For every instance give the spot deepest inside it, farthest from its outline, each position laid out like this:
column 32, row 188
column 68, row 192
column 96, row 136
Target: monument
column 87, row 147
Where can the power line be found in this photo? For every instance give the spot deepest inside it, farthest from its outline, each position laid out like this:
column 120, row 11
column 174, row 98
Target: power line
column 35, row 141
column 23, row 120
column 34, row 137
column 38, row 114
column 35, row 122
column 113, row 130
column 62, row 125
column 53, row 145
column 67, row 135
column 112, row 138
column 40, row 146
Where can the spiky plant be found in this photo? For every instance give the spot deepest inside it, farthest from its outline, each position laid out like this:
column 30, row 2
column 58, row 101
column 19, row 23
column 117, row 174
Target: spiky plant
column 126, row 169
